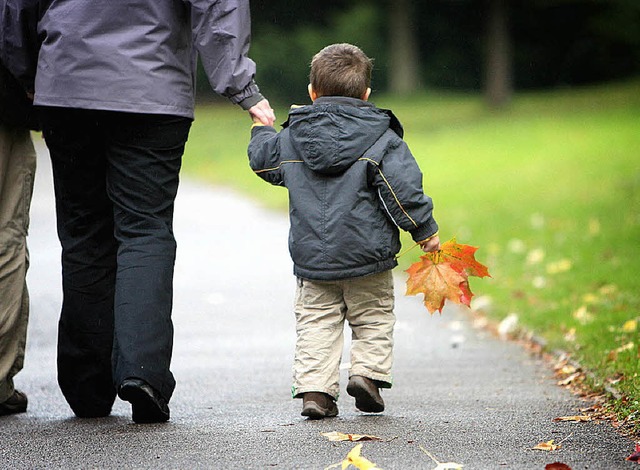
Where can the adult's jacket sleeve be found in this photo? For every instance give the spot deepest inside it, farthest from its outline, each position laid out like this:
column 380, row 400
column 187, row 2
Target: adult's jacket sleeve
column 264, row 154
column 222, row 36
column 399, row 182
column 19, row 42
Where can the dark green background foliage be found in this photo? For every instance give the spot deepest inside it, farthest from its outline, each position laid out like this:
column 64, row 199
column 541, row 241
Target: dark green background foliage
column 553, row 43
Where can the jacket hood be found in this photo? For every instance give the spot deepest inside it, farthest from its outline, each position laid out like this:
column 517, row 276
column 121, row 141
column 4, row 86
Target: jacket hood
column 333, row 133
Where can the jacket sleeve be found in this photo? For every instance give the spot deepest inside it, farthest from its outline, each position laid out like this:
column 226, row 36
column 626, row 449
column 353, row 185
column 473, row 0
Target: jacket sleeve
column 19, row 42
column 398, row 180
column 264, row 154
column 222, row 35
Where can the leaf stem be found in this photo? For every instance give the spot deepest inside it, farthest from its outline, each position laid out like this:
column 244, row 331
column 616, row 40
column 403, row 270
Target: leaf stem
column 402, row 253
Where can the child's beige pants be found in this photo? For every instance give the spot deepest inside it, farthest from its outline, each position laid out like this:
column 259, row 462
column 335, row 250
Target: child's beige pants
column 321, row 308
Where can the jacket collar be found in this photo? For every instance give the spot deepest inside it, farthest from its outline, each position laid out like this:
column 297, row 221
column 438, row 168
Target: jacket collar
column 394, row 123
column 342, row 100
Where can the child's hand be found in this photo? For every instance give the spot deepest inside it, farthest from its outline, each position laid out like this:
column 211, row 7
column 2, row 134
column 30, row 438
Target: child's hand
column 262, row 113
column 430, row 244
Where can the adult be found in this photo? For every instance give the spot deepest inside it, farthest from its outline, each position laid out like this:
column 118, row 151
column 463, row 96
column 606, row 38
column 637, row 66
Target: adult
column 115, row 84
column 17, row 170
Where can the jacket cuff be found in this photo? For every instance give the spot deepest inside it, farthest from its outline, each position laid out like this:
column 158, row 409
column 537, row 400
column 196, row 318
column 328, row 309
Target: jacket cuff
column 424, row 231
column 257, row 128
column 248, row 97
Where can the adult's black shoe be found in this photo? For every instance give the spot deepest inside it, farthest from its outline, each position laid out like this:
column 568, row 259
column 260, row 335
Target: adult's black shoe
column 147, row 404
column 16, row 403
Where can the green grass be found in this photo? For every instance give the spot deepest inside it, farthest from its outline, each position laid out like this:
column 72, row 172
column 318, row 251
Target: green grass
column 548, row 189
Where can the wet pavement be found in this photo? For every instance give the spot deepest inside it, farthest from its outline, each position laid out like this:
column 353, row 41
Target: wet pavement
column 458, row 392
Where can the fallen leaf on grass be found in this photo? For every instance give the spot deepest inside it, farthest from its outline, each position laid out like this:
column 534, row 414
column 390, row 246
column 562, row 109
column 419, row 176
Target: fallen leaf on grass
column 635, row 456
column 630, row 326
column 626, row 347
column 570, row 379
column 444, row 274
column 354, row 458
column 583, row 315
column 574, row 419
column 562, row 368
column 549, row 445
column 339, row 436
column 557, row 466
column 442, row 465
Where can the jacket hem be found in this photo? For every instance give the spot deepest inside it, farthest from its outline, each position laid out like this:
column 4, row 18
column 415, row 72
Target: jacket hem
column 133, row 107
column 334, row 275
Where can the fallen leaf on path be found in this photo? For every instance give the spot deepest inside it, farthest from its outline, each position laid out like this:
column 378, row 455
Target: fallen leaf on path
column 635, row 456
column 549, row 445
column 442, row 465
column 557, row 466
column 354, row 458
column 574, row 419
column 444, row 274
column 448, row 466
column 339, row 436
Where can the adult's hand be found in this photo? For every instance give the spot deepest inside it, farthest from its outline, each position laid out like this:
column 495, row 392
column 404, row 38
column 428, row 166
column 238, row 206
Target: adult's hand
column 263, row 112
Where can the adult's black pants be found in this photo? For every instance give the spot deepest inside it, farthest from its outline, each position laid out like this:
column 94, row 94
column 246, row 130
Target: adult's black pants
column 115, row 178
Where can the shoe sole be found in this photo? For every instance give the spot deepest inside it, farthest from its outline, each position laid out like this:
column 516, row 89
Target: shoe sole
column 12, row 410
column 144, row 409
column 364, row 400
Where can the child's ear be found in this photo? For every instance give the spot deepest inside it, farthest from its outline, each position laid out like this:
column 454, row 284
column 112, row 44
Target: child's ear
column 312, row 94
column 366, row 94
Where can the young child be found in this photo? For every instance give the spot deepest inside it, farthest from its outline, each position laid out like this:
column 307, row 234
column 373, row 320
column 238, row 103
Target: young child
column 352, row 182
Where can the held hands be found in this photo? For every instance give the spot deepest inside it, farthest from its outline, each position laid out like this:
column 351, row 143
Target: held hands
column 430, row 244
column 262, row 113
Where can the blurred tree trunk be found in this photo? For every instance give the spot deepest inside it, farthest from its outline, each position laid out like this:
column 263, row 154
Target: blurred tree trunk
column 404, row 67
column 498, row 73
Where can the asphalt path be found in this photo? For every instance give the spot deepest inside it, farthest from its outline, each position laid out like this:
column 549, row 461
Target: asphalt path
column 459, row 393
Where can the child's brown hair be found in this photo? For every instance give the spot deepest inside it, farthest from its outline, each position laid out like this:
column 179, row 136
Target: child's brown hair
column 341, row 70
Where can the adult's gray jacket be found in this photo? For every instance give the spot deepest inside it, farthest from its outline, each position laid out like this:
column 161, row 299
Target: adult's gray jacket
column 352, row 182
column 128, row 55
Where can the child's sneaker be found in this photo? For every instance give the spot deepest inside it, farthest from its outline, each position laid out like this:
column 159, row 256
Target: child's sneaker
column 318, row 405
column 366, row 393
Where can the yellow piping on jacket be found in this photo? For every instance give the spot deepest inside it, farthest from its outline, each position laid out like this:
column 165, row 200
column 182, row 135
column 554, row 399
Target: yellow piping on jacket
column 393, row 193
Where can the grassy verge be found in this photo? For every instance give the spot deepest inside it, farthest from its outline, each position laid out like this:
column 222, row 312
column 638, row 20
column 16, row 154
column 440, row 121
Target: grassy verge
column 550, row 192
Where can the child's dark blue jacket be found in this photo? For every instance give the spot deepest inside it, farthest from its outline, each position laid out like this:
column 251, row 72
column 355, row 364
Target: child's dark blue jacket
column 352, row 181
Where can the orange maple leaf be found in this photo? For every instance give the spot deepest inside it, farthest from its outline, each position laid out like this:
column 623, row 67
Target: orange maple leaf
column 437, row 282
column 444, row 275
column 460, row 257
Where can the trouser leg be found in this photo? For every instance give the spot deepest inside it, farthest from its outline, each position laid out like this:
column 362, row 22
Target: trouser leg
column 144, row 162
column 370, row 301
column 320, row 313
column 17, row 170
column 85, row 229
